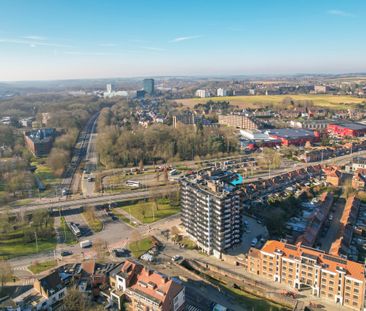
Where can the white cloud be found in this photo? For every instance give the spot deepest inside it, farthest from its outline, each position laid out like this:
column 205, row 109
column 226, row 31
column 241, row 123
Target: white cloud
column 180, row 39
column 106, row 45
column 35, row 38
column 32, row 43
column 151, row 48
column 91, row 53
column 340, row 13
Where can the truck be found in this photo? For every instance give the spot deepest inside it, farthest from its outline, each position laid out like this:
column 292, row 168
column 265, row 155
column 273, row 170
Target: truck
column 86, row 243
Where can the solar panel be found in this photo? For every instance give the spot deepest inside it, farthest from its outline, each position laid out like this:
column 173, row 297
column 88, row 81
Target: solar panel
column 335, row 259
column 292, row 247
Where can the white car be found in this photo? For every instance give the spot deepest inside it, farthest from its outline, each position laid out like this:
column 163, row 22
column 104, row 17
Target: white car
column 176, row 258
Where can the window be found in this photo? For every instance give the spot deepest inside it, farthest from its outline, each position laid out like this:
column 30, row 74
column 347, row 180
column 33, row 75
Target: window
column 355, row 290
column 355, row 297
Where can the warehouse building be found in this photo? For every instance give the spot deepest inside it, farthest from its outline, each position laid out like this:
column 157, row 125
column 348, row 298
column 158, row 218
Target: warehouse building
column 297, row 137
column 349, row 129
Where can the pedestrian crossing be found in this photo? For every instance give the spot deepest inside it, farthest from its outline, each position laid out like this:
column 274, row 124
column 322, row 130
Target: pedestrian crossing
column 28, row 281
column 191, row 308
column 20, row 268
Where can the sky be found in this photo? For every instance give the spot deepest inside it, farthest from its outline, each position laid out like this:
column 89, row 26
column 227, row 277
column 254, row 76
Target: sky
column 77, row 39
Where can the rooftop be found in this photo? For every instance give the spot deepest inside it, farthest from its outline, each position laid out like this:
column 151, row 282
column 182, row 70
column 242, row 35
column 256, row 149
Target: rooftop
column 291, row 133
column 330, row 263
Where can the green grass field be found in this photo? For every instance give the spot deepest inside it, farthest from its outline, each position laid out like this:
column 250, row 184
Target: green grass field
column 15, row 246
column 67, row 236
column 140, row 247
column 45, row 173
column 326, row 101
column 148, row 212
column 42, row 266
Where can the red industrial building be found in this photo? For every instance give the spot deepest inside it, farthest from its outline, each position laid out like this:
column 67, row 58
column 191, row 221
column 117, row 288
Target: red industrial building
column 297, row 137
column 347, row 129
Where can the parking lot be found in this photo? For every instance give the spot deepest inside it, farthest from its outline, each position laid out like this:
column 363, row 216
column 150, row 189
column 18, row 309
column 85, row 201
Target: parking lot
column 253, row 229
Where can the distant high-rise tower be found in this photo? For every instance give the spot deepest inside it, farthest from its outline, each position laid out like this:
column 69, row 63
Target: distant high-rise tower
column 149, row 86
column 109, row 88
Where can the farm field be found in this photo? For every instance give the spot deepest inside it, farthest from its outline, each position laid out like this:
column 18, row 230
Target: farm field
column 326, row 101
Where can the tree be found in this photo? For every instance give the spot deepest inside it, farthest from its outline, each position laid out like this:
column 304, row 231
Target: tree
column 6, row 273
column 101, row 248
column 74, row 301
column 141, row 166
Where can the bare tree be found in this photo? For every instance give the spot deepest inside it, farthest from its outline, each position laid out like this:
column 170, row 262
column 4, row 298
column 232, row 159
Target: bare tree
column 6, row 272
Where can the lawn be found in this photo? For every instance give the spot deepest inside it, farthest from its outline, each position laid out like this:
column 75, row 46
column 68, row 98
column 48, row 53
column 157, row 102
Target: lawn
column 45, row 173
column 327, row 101
column 140, row 247
column 18, row 239
column 42, row 266
column 148, row 212
column 68, row 237
column 14, row 247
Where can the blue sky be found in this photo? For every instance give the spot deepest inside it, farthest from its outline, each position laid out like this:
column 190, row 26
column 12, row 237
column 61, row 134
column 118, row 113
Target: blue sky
column 67, row 39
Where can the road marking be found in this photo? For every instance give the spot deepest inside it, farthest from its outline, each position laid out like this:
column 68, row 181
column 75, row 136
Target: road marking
column 29, row 281
column 20, row 268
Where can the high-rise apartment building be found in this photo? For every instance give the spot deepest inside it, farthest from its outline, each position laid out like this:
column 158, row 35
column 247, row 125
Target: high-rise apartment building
column 210, row 203
column 149, row 86
column 109, row 88
column 327, row 276
column 221, row 92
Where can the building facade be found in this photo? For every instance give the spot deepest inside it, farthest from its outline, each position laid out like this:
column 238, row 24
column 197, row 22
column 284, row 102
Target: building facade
column 329, row 277
column 40, row 141
column 146, row 289
column 211, row 211
column 347, row 129
column 221, row 92
column 238, row 121
column 149, row 86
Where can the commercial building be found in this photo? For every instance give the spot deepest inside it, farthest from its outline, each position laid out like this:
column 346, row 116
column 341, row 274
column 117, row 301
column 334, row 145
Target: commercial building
column 329, row 277
column 297, row 137
column 149, row 86
column 347, row 129
column 210, row 203
column 319, row 125
column 239, row 121
column 145, row 289
column 221, row 92
column 40, row 141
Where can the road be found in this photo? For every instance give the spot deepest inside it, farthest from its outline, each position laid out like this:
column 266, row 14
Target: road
column 91, row 161
column 79, row 153
column 65, row 203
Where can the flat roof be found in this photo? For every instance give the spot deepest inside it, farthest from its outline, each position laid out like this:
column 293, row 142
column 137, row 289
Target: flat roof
column 352, row 126
column 291, row 133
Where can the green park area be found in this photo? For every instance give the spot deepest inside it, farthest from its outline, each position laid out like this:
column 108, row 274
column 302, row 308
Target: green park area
column 30, row 234
column 45, row 174
column 326, row 101
column 152, row 210
column 39, row 267
column 140, row 247
column 66, row 234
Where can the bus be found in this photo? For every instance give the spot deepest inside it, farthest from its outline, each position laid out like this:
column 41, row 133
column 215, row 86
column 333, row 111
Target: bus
column 132, row 183
column 74, row 229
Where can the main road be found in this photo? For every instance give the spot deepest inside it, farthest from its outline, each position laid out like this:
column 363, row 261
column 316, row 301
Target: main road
column 125, row 196
column 79, row 153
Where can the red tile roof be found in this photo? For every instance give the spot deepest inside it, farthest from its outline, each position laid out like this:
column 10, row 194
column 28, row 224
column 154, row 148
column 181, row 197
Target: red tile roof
column 354, row 269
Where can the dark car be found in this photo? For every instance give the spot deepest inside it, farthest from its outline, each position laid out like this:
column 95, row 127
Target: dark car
column 66, row 253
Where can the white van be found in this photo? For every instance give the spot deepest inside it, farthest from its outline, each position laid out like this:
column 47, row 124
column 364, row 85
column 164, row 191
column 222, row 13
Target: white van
column 86, row 243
